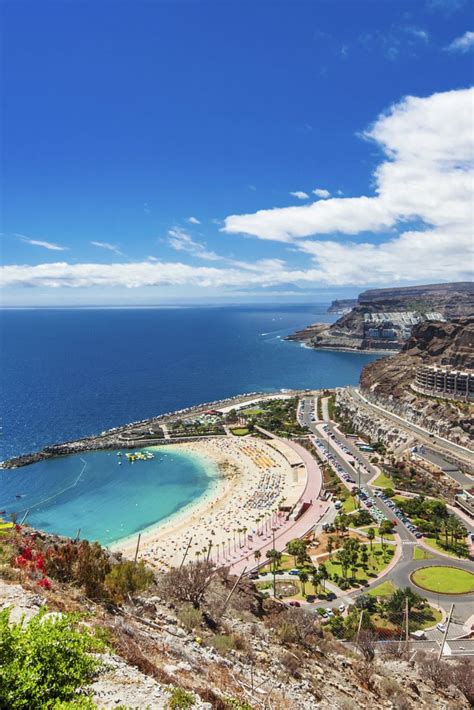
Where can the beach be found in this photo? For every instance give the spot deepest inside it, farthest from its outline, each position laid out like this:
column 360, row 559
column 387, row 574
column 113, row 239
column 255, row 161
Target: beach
column 250, row 479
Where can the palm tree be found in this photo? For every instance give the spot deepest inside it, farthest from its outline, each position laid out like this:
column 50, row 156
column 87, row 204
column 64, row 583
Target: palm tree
column 364, row 557
column 330, row 545
column 324, row 574
column 303, row 579
column 371, row 536
column 257, row 554
column 316, row 580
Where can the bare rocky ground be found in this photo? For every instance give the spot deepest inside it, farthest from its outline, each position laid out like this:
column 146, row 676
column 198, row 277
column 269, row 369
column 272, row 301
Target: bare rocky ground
column 389, row 380
column 153, row 653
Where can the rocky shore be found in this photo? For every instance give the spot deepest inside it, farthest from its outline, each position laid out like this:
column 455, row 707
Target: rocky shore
column 381, row 319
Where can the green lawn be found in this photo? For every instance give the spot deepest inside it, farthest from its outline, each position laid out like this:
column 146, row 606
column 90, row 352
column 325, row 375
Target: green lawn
column 420, row 619
column 433, row 542
column 399, row 499
column 240, row 431
column 445, row 580
column 349, row 504
column 5, row 526
column 383, row 481
column 287, row 562
column 375, row 564
column 387, row 536
column 252, row 412
column 420, row 554
column 382, row 590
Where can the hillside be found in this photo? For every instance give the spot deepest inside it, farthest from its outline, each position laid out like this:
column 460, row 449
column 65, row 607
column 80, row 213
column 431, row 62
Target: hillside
column 183, row 639
column 389, row 379
column 383, row 319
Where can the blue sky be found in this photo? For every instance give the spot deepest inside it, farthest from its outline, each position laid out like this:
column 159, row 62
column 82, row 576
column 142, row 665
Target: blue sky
column 150, row 149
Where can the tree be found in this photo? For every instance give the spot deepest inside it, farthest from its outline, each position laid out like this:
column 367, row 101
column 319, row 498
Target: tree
column 365, row 601
column 275, row 557
column 297, row 548
column 188, row 584
column 364, row 557
column 316, row 580
column 371, row 536
column 397, row 602
column 366, row 643
column 330, row 545
column 45, row 661
column 257, row 555
column 303, row 575
column 324, row 574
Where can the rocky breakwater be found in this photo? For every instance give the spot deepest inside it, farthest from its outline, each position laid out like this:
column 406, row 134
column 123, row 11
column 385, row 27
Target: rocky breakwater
column 388, row 381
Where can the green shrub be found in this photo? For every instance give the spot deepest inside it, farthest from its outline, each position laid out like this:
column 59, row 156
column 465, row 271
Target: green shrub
column 180, row 699
column 190, row 617
column 44, row 661
column 126, row 578
column 222, row 643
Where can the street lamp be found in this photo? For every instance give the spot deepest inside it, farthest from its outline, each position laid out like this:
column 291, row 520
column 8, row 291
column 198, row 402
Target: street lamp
column 274, row 565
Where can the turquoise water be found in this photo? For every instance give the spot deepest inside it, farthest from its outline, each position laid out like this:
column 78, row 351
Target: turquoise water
column 107, row 501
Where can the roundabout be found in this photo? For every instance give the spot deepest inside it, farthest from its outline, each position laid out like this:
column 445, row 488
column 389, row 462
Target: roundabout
column 443, row 579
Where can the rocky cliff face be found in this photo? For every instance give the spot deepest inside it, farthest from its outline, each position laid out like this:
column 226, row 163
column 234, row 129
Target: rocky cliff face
column 382, row 318
column 342, row 305
column 390, row 379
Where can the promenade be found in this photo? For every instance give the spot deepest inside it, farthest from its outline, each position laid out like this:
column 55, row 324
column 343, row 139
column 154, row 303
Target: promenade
column 286, row 530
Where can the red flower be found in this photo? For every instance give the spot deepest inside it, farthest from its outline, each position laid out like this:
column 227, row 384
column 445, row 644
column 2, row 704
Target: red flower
column 44, row 583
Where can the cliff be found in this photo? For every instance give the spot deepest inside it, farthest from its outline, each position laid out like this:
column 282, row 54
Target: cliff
column 383, row 319
column 389, row 379
column 342, row 305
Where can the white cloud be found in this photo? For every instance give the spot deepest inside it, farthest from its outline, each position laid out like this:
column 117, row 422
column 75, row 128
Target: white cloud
column 300, row 195
column 44, row 245
column 193, row 220
column 463, row 43
column 426, row 178
column 146, row 273
column 180, row 240
column 419, row 33
column 108, row 247
column 320, row 192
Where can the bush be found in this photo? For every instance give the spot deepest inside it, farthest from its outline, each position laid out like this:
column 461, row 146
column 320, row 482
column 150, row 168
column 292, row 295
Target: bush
column 126, row 578
column 180, row 699
column 44, row 661
column 190, row 617
column 222, row 643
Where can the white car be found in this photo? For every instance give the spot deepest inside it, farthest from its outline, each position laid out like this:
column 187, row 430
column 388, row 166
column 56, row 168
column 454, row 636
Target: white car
column 342, row 607
column 441, row 627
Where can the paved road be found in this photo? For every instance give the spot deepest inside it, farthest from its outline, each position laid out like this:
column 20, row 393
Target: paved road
column 414, row 429
column 400, row 574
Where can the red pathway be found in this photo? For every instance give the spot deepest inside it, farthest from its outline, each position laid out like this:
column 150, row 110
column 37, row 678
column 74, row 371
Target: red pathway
column 287, row 530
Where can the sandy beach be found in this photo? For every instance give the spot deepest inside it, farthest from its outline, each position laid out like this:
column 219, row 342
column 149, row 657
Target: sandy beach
column 250, row 479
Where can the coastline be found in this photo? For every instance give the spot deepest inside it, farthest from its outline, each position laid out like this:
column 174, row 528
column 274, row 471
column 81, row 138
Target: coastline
column 252, row 479
column 180, row 516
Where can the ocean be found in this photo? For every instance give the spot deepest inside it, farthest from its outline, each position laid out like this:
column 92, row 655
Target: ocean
column 75, row 372
column 103, row 499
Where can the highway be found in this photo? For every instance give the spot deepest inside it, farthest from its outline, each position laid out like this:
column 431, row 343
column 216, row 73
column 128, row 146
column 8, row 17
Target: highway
column 414, row 429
